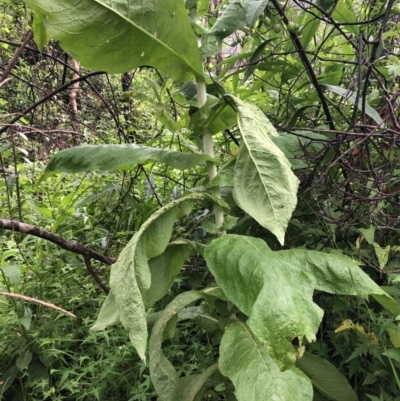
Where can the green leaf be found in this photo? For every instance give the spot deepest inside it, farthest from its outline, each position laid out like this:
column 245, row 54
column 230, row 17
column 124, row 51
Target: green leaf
column 326, row 378
column 12, row 272
column 40, row 32
column 205, row 317
column 131, row 276
column 264, row 184
column 24, row 360
column 344, row 13
column 382, row 254
column 311, row 25
column 255, row 57
column 163, row 374
column 108, row 315
column 236, row 15
column 255, row 375
column 368, row 233
column 254, row 8
column 119, row 36
column 164, row 268
column 293, row 146
column 197, row 382
column 111, row 157
column 275, row 289
column 351, row 97
column 338, row 274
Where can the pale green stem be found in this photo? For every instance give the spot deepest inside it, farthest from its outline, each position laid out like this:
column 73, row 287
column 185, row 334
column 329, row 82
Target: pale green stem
column 207, row 137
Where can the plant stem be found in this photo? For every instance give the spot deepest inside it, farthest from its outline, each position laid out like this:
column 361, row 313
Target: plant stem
column 207, row 137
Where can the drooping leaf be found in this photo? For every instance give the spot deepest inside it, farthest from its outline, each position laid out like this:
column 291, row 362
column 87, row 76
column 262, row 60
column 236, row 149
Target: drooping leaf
column 164, row 268
column 236, row 15
column 351, row 97
column 111, row 157
column 275, row 289
column 255, row 57
column 162, row 373
column 254, row 8
column 131, row 277
column 264, row 184
column 311, row 24
column 326, row 378
column 204, row 316
column 196, row 383
column 119, row 36
column 245, row 360
column 108, row 315
column 39, row 31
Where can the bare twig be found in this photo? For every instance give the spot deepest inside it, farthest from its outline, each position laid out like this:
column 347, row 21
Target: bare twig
column 37, row 301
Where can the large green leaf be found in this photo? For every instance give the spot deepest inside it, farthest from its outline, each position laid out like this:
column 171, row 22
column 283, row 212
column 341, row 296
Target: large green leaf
column 110, row 157
column 117, row 36
column 275, row 289
column 131, row 277
column 264, row 184
column 338, row 274
column 326, row 378
column 245, row 360
column 163, row 374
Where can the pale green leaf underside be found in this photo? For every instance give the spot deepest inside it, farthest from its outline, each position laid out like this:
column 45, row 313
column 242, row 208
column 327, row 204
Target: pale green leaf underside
column 275, row 289
column 254, row 374
column 111, row 157
column 264, row 184
column 117, row 36
column 351, row 97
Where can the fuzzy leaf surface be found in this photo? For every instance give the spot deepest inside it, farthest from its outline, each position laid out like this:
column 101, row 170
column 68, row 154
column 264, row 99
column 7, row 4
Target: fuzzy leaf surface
column 245, row 360
column 111, row 157
column 264, row 184
column 275, row 289
column 118, row 36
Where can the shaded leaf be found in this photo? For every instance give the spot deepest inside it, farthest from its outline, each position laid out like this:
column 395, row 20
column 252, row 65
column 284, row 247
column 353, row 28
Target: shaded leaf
column 197, row 382
column 351, row 97
column 164, row 268
column 162, row 373
column 23, row 360
column 111, row 157
column 255, row 375
column 326, row 378
column 119, row 36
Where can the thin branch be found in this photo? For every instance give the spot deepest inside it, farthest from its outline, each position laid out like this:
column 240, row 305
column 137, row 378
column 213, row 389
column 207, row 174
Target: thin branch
column 37, row 301
column 16, row 55
column 55, row 239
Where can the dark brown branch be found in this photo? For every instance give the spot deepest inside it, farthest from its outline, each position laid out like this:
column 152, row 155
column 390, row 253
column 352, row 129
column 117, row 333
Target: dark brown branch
column 17, row 53
column 71, row 246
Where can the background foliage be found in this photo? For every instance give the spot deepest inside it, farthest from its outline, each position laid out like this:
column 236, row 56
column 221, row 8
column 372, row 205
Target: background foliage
column 325, row 73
